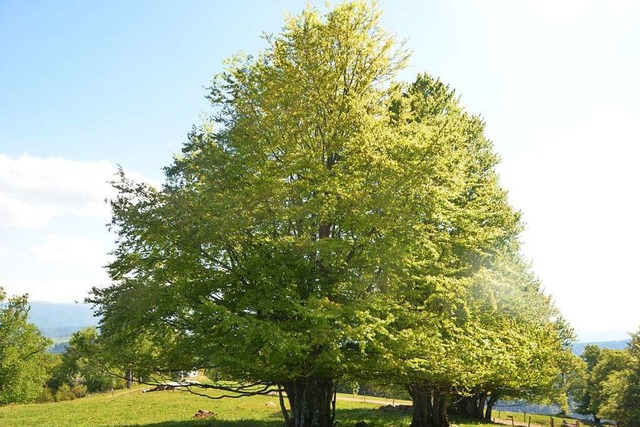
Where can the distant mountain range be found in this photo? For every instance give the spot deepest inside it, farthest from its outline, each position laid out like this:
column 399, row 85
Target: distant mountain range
column 60, row 320
column 578, row 348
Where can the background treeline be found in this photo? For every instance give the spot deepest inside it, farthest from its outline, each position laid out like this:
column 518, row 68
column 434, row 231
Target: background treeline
column 612, row 383
column 31, row 373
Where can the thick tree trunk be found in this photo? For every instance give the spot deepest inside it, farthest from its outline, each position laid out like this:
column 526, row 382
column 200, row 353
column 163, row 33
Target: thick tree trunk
column 471, row 406
column 440, row 418
column 460, row 405
column 474, row 407
column 488, row 414
column 310, row 403
column 429, row 407
column 422, row 406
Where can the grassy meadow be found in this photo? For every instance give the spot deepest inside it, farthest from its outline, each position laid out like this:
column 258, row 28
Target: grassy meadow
column 176, row 409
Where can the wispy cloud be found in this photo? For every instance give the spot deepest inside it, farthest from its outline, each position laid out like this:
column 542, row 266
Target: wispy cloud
column 55, row 247
column 52, row 214
column 35, row 190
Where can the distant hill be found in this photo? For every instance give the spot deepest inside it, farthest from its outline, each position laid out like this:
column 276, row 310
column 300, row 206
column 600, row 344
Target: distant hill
column 578, row 348
column 60, row 320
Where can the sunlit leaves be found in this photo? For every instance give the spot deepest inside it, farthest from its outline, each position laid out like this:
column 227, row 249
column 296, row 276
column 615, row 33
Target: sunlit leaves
column 22, row 352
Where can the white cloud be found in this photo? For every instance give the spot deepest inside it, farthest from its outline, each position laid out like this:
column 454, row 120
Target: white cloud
column 54, row 260
column 576, row 186
column 35, row 190
column 69, row 248
column 556, row 81
column 58, row 267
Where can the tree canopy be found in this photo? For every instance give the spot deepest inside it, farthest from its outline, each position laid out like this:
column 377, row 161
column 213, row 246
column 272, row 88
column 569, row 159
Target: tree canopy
column 328, row 220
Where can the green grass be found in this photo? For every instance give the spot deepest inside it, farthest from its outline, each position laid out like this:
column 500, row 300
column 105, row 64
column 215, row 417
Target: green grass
column 176, row 409
column 544, row 420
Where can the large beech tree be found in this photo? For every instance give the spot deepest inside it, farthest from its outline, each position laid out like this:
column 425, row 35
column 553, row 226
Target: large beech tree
column 326, row 219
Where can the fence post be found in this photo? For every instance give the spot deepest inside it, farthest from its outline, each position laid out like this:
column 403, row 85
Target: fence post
column 529, row 421
column 551, row 421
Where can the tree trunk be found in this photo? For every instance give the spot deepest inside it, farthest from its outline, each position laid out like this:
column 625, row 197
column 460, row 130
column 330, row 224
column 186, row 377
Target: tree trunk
column 429, row 407
column 422, row 406
column 440, row 418
column 475, row 407
column 471, row 407
column 129, row 375
column 461, row 405
column 310, row 403
column 482, row 402
column 493, row 398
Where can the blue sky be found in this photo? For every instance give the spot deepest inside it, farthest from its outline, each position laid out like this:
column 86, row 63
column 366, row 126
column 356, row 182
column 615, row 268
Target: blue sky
column 88, row 85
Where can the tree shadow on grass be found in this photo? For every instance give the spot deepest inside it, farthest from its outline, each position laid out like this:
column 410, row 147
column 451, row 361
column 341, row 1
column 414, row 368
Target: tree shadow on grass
column 344, row 417
column 457, row 419
column 212, row 422
column 373, row 417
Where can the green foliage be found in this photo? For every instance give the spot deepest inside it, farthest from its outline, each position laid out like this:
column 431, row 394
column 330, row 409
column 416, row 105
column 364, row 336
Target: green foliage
column 83, row 365
column 46, row 396
column 265, row 250
column 63, row 393
column 329, row 223
column 572, row 381
column 23, row 361
column 620, row 390
column 601, row 364
column 528, row 342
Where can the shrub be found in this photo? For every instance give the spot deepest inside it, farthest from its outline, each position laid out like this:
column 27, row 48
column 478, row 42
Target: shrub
column 79, row 390
column 64, row 393
column 46, row 395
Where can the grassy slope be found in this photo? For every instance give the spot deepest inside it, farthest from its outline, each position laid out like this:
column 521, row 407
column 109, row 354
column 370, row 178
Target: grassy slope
column 174, row 409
